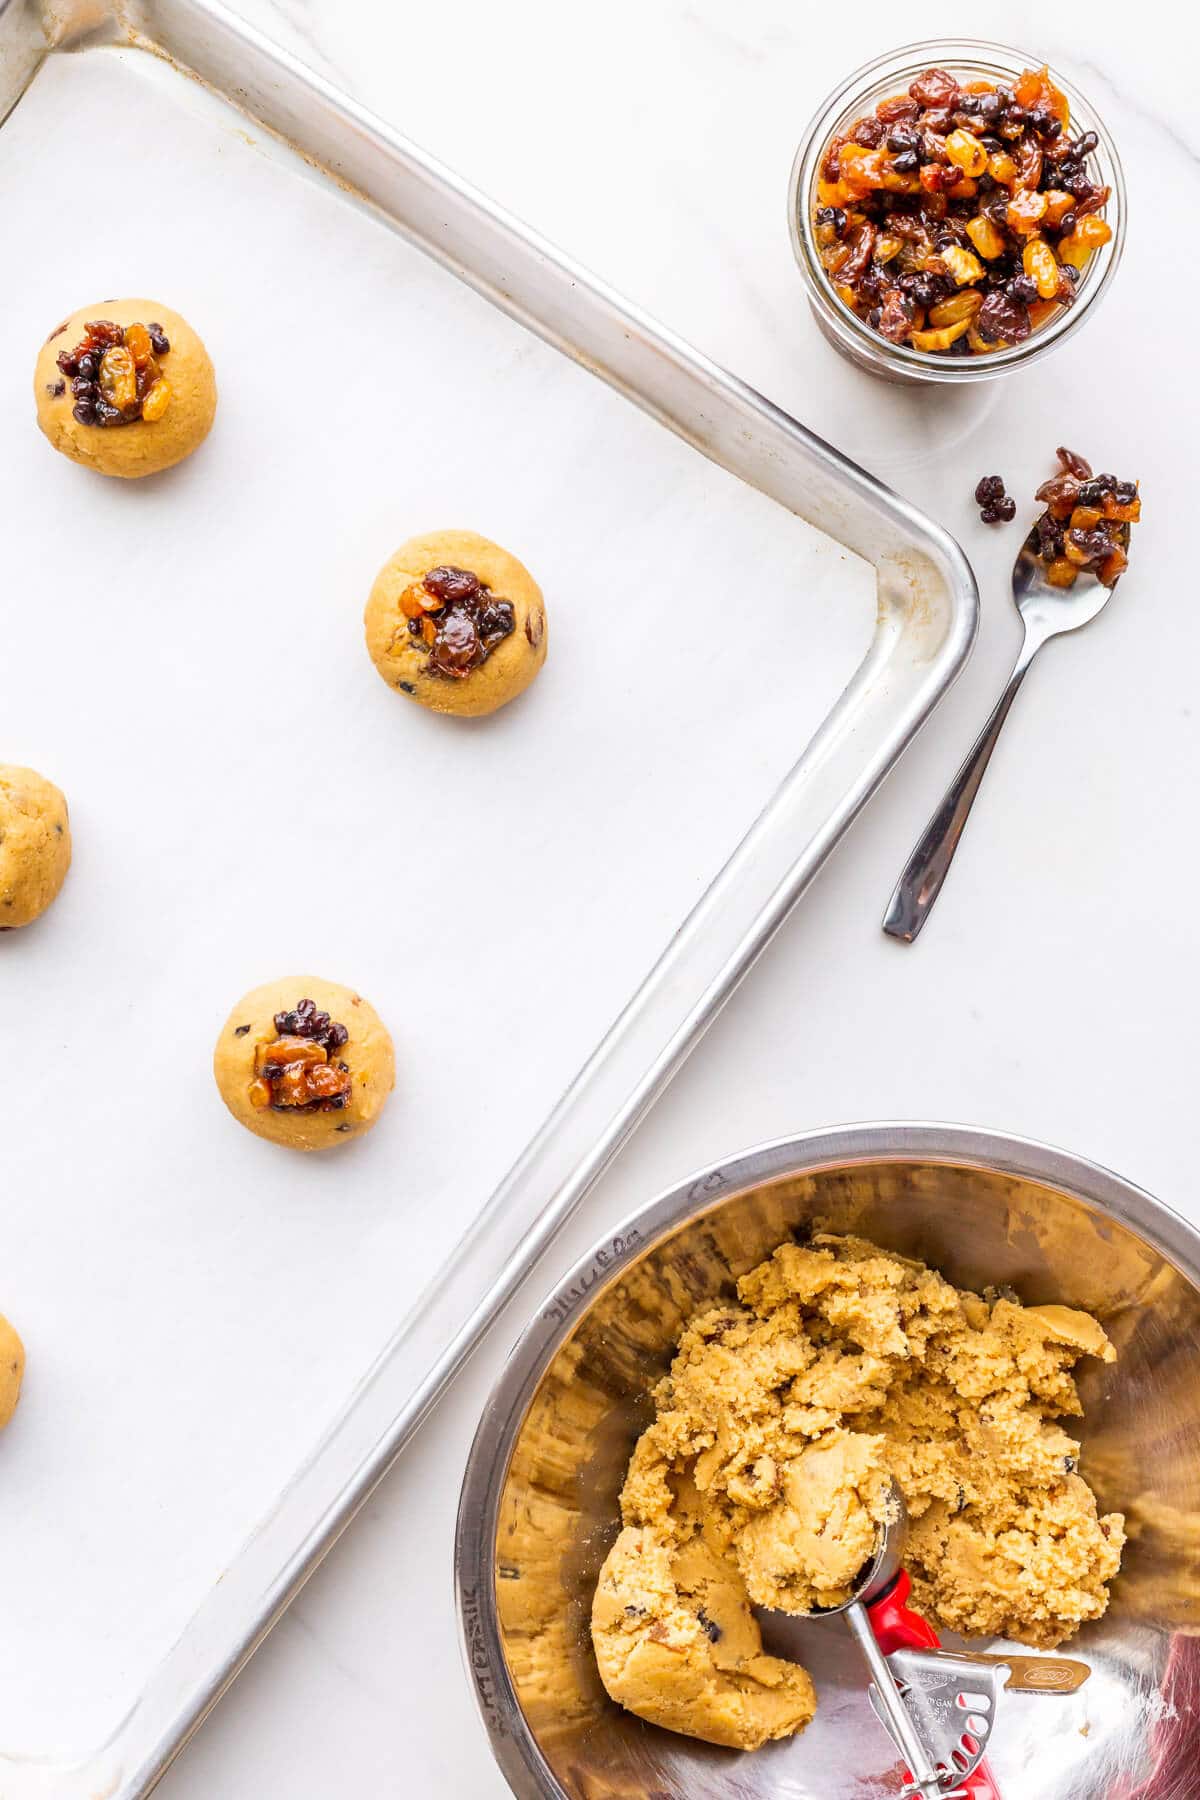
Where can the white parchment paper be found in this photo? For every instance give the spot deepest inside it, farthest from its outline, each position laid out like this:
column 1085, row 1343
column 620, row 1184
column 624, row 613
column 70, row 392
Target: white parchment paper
column 184, row 657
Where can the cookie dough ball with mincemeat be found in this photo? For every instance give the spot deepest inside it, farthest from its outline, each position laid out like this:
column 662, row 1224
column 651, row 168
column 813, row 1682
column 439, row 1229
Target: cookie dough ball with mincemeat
column 35, row 845
column 457, row 623
column 125, row 387
column 305, row 1062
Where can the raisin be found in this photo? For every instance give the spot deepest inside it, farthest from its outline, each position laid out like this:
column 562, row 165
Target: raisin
column 496, row 622
column 935, row 88
column 158, row 338
column 1092, row 544
column 457, row 649
column 869, row 133
column 449, row 584
column 1022, row 288
column 989, row 489
column 1074, row 464
column 895, row 317
column 1050, row 537
column 831, row 221
column 901, row 106
column 925, row 286
column 861, row 242
column 940, row 122
column 1001, row 319
column 1093, row 201
column 903, row 136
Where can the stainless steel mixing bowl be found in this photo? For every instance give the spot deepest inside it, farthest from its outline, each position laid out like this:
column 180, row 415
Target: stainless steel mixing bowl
column 539, row 1502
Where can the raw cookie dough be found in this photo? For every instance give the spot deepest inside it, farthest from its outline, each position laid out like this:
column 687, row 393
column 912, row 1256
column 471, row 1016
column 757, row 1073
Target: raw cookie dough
column 305, row 1063
column 12, row 1368
column 35, row 845
column 785, row 1414
column 163, row 423
column 452, row 650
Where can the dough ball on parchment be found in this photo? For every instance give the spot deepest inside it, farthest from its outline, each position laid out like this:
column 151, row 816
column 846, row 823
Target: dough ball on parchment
column 35, row 845
column 456, row 622
column 305, row 1062
column 125, row 387
column 12, row 1368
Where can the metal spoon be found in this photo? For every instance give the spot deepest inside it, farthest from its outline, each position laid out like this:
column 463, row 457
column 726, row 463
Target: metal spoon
column 1047, row 612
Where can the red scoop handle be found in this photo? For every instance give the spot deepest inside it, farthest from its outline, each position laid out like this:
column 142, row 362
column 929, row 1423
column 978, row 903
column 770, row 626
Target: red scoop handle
column 898, row 1627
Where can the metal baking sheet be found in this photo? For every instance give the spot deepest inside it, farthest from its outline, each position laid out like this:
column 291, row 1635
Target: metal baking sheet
column 228, row 1345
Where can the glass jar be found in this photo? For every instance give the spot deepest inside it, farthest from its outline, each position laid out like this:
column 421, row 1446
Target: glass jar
column 970, row 60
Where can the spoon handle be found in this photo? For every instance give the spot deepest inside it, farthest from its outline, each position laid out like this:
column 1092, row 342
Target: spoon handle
column 927, row 867
column 901, row 1729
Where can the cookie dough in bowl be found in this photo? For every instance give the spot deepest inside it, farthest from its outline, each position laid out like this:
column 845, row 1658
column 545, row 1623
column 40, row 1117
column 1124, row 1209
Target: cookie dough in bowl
column 786, row 1415
column 456, row 622
column 35, row 845
column 305, row 1062
column 12, row 1369
column 125, row 387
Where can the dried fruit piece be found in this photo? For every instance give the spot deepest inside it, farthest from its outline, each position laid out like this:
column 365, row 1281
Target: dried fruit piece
column 986, row 238
column 1042, row 268
column 896, row 317
column 1002, row 320
column 157, row 400
column 1058, row 205
column 416, row 601
column 1089, row 234
column 1073, row 464
column 959, row 306
column 935, row 88
column 1025, row 211
column 1027, row 158
column 900, row 106
column 965, row 150
column 118, row 378
column 940, row 339
column 137, row 342
column 964, row 265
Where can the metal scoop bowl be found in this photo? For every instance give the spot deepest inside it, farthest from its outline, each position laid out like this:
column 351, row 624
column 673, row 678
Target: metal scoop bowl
column 938, row 1706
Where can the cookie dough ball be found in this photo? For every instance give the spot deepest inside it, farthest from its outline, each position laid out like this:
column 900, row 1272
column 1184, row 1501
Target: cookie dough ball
column 677, row 1644
column 35, row 845
column 125, row 387
column 305, row 1063
column 12, row 1368
column 456, row 622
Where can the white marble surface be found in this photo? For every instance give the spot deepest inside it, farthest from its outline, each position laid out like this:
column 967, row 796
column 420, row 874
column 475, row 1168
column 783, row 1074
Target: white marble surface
column 1053, row 993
